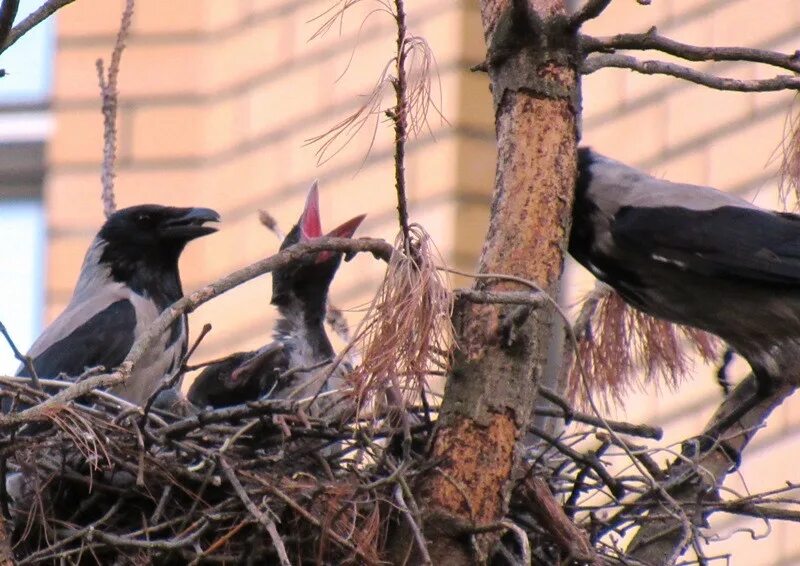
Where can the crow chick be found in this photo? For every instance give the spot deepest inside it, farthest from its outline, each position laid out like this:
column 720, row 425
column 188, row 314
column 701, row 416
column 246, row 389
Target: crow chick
column 300, row 345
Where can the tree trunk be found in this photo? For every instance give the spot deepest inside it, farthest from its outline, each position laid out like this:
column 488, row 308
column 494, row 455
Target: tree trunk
column 502, row 350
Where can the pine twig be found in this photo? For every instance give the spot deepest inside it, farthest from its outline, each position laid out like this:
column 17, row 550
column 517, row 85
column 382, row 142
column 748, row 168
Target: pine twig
column 110, row 95
column 399, row 115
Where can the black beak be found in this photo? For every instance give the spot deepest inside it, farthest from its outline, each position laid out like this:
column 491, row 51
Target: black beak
column 190, row 225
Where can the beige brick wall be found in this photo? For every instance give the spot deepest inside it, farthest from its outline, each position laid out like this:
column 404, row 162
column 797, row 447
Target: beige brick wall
column 219, row 98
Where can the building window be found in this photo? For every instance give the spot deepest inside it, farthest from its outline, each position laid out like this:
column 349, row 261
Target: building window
column 25, row 126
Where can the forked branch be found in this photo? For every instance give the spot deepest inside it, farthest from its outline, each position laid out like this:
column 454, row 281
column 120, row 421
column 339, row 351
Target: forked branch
column 651, row 67
column 651, row 40
column 609, row 58
column 109, row 94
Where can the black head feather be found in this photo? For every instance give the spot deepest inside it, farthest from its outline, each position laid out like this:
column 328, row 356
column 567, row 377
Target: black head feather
column 302, row 287
column 142, row 245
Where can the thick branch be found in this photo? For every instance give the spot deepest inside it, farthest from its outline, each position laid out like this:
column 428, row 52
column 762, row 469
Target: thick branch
column 662, row 539
column 618, row 61
column 34, row 19
column 650, row 40
column 492, row 385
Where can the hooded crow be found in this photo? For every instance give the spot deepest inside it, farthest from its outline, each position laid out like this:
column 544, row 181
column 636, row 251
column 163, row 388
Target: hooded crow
column 301, row 345
column 129, row 276
column 695, row 256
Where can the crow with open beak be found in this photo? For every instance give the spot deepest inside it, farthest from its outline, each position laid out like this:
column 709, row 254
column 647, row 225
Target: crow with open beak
column 695, row 256
column 129, row 276
column 289, row 366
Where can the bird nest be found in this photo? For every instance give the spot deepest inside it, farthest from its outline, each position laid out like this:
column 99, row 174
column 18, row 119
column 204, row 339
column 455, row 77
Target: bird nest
column 108, row 483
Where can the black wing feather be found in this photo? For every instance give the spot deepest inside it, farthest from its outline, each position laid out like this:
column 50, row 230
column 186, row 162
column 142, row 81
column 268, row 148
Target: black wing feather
column 103, row 340
column 730, row 242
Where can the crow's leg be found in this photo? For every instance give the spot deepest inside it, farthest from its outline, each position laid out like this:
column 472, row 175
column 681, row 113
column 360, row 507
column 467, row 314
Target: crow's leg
column 711, row 437
column 722, row 371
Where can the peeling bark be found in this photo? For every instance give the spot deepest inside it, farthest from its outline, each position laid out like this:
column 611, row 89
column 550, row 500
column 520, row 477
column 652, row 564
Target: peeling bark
column 502, row 349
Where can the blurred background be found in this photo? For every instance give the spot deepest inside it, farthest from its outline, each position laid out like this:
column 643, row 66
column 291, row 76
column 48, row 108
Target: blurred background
column 218, row 102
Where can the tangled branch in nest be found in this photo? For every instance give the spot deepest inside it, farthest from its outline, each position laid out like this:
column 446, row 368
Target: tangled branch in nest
column 263, row 483
column 101, row 486
column 622, row 348
column 407, row 331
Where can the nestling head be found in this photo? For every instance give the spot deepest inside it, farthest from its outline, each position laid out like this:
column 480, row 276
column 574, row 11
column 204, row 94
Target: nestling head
column 309, row 281
column 151, row 230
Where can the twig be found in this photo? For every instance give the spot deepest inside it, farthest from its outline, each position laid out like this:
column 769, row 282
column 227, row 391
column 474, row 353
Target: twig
column 109, row 95
column 297, row 508
column 32, row 20
column 602, row 61
column 534, row 299
column 589, row 11
column 616, row 488
column 8, row 13
column 23, row 359
column 758, row 511
column 171, row 380
column 399, row 115
column 260, row 516
column 644, row 431
column 651, row 40
column 412, row 523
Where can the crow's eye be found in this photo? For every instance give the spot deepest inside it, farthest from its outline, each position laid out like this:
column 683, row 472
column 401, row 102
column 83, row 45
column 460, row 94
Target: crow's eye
column 143, row 218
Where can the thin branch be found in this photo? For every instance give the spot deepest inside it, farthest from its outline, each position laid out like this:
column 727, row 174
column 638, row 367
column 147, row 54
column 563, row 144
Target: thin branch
column 422, row 546
column 589, row 460
column 618, row 61
column 8, row 13
column 651, row 40
column 642, row 430
column 302, row 512
column 399, row 115
column 592, row 9
column 34, row 19
column 759, row 511
column 110, row 94
column 260, row 516
column 22, row 358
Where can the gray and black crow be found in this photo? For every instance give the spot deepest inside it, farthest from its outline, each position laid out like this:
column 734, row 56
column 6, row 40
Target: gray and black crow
column 695, row 256
column 300, row 291
column 129, row 276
